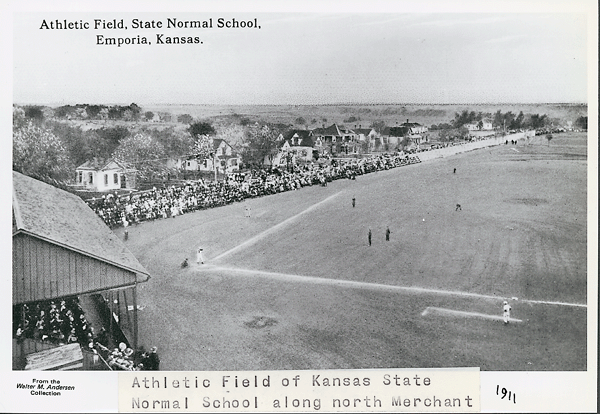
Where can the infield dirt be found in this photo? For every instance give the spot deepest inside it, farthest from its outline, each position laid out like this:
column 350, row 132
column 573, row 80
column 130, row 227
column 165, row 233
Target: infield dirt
column 312, row 294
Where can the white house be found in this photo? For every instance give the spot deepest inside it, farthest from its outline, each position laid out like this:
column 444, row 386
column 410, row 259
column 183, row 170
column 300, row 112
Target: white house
column 224, row 159
column 100, row 175
column 336, row 140
column 415, row 128
column 365, row 135
column 297, row 146
column 483, row 125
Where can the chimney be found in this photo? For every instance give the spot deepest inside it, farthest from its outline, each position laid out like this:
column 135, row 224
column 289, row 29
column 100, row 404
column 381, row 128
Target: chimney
column 407, row 120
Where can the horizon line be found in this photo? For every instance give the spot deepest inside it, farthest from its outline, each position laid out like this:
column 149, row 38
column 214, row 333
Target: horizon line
column 59, row 104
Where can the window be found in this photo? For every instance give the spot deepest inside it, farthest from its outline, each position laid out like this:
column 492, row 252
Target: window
column 105, row 179
column 189, row 163
column 91, row 178
column 116, row 178
column 80, row 177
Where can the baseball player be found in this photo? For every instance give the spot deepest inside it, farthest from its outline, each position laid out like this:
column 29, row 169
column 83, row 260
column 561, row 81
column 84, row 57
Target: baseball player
column 506, row 308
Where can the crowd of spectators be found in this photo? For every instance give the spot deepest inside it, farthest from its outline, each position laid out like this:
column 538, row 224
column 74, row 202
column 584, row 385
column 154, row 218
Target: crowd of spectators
column 63, row 321
column 124, row 358
column 174, row 200
column 59, row 322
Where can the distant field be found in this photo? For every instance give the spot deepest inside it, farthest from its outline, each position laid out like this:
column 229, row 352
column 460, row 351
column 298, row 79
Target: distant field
column 297, row 286
column 365, row 114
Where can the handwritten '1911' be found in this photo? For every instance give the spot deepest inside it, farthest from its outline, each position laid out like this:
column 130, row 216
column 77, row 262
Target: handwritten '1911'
column 506, row 393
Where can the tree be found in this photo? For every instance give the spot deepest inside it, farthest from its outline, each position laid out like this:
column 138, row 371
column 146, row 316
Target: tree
column 463, row 133
column 201, row 128
column 38, row 153
column 115, row 112
column 582, row 122
column 34, row 113
column 508, row 118
column 185, row 118
column 175, row 141
column 378, row 125
column 103, row 114
column 465, row 117
column 135, row 111
column 93, row 111
column 18, row 117
column 453, row 134
column 203, row 147
column 143, row 152
column 260, row 142
column 549, row 138
column 74, row 139
column 108, row 139
column 149, row 115
column 517, row 122
column 233, row 134
column 127, row 115
column 537, row 121
column 300, row 121
column 498, row 121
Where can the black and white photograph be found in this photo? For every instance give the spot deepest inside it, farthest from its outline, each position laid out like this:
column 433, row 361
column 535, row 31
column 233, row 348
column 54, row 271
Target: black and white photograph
column 368, row 187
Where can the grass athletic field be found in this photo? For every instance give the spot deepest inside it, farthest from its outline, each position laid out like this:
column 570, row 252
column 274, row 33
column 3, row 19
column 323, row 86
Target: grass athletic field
column 296, row 285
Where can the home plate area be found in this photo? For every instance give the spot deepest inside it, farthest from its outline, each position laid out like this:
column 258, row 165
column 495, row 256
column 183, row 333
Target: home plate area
column 450, row 312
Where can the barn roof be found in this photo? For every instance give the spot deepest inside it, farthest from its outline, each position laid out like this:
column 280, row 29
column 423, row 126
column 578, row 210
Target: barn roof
column 63, row 219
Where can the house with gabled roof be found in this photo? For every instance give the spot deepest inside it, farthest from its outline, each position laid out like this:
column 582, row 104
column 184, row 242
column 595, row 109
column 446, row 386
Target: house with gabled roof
column 365, row 136
column 60, row 249
column 336, row 140
column 416, row 131
column 223, row 159
column 482, row 125
column 415, row 128
column 105, row 175
column 296, row 146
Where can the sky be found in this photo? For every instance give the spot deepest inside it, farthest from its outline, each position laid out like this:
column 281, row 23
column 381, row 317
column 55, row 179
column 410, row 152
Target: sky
column 305, row 58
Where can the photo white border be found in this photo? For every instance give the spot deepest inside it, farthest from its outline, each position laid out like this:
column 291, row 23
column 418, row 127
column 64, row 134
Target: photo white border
column 541, row 391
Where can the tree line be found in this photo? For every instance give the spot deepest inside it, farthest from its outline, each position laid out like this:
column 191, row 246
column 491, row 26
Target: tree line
column 50, row 149
column 47, row 144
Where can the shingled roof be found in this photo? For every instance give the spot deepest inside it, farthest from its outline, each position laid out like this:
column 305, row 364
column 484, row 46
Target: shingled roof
column 61, row 218
column 330, row 130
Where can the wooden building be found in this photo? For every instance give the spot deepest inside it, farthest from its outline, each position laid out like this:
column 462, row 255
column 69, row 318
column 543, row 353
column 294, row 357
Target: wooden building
column 62, row 249
column 105, row 175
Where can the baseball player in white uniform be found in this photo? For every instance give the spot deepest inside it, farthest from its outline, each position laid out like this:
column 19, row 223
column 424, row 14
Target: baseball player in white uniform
column 506, row 309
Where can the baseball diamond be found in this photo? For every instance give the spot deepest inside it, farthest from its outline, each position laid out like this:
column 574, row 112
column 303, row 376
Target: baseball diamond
column 520, row 236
